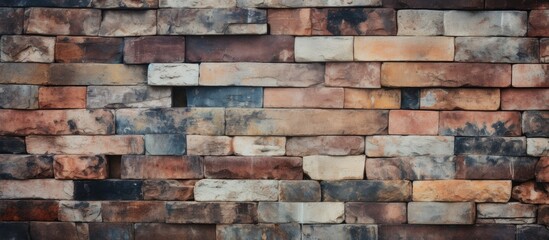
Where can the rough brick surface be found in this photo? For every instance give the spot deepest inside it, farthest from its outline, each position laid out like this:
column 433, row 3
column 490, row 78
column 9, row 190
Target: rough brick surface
column 19, row 48
column 62, row 21
column 62, row 97
column 88, row 50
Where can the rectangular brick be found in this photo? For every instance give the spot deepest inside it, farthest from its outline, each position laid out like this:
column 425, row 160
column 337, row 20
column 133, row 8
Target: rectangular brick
column 85, row 145
column 467, row 123
column 211, row 212
column 127, row 23
column 413, row 122
column 299, row 4
column 366, row 191
column 125, row 3
column 497, row 49
column 25, row 166
column 172, row 74
column 525, row 232
column 289, row 21
column 12, row 145
column 485, row 23
column 500, row 146
column 19, row 96
column 339, row 231
column 525, row 99
column 411, row 168
column 209, row 145
column 411, row 231
column 224, row 97
column 19, row 48
column 197, row 4
column 46, row 3
column 161, row 167
column 323, row 49
column 236, row 190
column 24, row 73
column 75, row 211
column 303, row 98
column 14, row 230
column 305, row 122
column 128, row 97
column 289, row 231
column 144, row 231
column 434, row 4
column 171, row 190
column 253, row 167
column 11, row 20
column 62, row 97
column 462, row 191
column 531, row 75
column 404, row 48
column 154, row 49
column 516, row 4
column 96, row 74
column 334, row 168
column 299, row 191
column 62, row 21
column 544, row 50
column 420, row 22
column 53, row 230
column 259, row 146
column 133, row 211
column 495, row 167
column 80, row 167
column 375, row 213
column 506, row 210
column 88, row 50
column 353, row 21
column 325, row 145
column 122, row 231
column 536, row 146
column 165, row 144
column 108, row 190
column 535, row 123
column 372, row 98
column 396, row 146
column 353, row 74
column 541, row 173
column 538, row 23
column 441, row 213
column 532, row 192
column 309, row 212
column 28, row 210
column 543, row 215
column 460, row 99
column 36, row 189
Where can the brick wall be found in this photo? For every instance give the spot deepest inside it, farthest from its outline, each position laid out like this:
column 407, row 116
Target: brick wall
column 274, row 119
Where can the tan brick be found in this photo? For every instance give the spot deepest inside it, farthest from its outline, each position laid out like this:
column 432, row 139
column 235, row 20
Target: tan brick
column 24, row 73
column 323, row 49
column 525, row 99
column 404, row 48
column 290, row 21
column 396, row 146
column 308, row 212
column 372, row 98
column 161, row 167
column 531, row 75
column 462, row 191
column 209, row 145
column 36, row 189
column 80, row 167
column 62, row 97
column 353, row 74
column 138, row 211
column 325, row 145
column 413, row 122
column 128, row 23
column 236, row 190
column 62, row 21
column 465, row 123
column 420, row 22
column 537, row 146
column 97, row 74
column 85, row 145
column 334, row 168
column 259, row 146
column 19, row 48
column 459, row 98
column 303, row 97
column 538, row 23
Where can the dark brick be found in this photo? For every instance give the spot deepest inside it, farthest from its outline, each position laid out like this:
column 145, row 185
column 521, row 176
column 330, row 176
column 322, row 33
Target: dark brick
column 435, row 4
column 147, row 231
column 366, row 191
column 88, row 50
column 538, row 23
column 253, row 167
column 251, row 97
column 28, row 210
column 133, row 211
column 409, row 98
column 211, row 212
column 103, row 231
column 53, row 231
column 14, row 230
column 447, row 232
column 535, row 123
column 11, row 20
column 500, row 146
column 154, row 49
column 495, row 167
column 543, row 215
column 339, row 231
column 12, row 145
column 517, row 4
column 125, row 3
column 353, row 21
column 108, row 190
column 532, row 232
column 290, row 231
column 165, row 144
column 299, row 191
column 25, row 166
column 46, row 3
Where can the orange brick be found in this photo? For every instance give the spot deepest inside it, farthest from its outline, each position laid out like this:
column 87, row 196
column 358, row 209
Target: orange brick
column 393, row 48
column 290, row 21
column 413, row 122
column 62, row 97
column 372, row 98
column 531, row 75
column 525, row 99
column 303, row 97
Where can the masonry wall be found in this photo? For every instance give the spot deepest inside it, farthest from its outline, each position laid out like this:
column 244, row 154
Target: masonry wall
column 274, row 119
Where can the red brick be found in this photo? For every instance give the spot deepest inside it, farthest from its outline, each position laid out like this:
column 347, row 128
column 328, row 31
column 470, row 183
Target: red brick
column 62, row 21
column 303, row 97
column 290, row 21
column 325, row 145
column 531, row 75
column 463, row 123
column 154, row 49
column 133, row 211
column 86, row 145
column 353, row 21
column 28, row 210
column 525, row 99
column 538, row 23
column 62, row 97
column 542, row 170
column 80, row 167
column 409, row 122
column 432, row 232
column 88, row 50
column 253, row 168
column 353, row 74
column 161, row 167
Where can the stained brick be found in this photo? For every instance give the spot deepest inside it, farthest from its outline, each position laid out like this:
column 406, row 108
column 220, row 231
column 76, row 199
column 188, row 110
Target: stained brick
column 535, row 123
column 353, row 21
column 28, row 210
column 434, row 4
column 96, row 74
column 19, row 48
column 505, row 210
column 532, row 232
column 24, row 73
column 290, row 21
column 209, row 145
column 80, row 167
column 485, row 23
column 53, row 230
column 542, row 170
column 531, row 75
column 311, row 3
column 394, row 146
column 460, row 99
column 144, row 231
column 497, row 49
column 411, row 231
column 375, row 213
column 84, row 145
column 236, row 190
column 404, row 48
column 165, row 144
column 75, row 211
column 410, row 98
column 325, row 145
column 11, row 20
column 14, row 230
column 88, row 49
column 366, row 191
column 308, row 212
column 197, row 4
column 128, row 23
column 299, row 191
column 122, row 231
column 334, row 168
column 544, row 50
column 411, row 168
column 537, row 146
column 62, row 21
column 108, row 190
column 36, row 189
column 12, row 145
column 25, row 166
column 323, row 49
column 372, row 98
column 501, row 146
column 290, row 231
column 303, row 97
column 128, row 97
column 224, row 97
column 495, row 167
column 543, row 215
column 19, row 96
column 161, row 167
column 62, row 97
column 538, row 23
column 173, row 190
column 441, row 213
column 516, row 4
column 420, row 22
column 125, row 3
column 46, row 3
column 339, row 231
column 462, row 191
column 211, row 212
column 531, row 192
column 353, row 74
column 154, row 49
column 253, row 168
column 525, row 99
column 413, row 122
column 133, row 211
column 464, row 123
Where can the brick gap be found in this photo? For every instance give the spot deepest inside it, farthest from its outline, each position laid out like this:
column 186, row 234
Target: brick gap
column 179, row 97
column 114, row 166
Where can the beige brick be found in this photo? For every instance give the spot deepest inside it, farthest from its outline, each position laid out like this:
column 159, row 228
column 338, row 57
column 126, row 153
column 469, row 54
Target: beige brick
column 236, row 190
column 334, row 168
column 259, row 146
column 85, row 145
column 404, row 48
column 303, row 97
column 323, row 49
column 36, row 189
column 209, row 145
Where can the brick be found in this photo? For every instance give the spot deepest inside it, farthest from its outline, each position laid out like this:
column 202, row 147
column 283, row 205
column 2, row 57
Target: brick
column 445, row 75
column 504, row 232
column 525, row 99
column 290, row 21
column 209, row 145
column 206, row 121
column 236, row 190
column 299, row 191
column 14, row 230
column 334, row 168
column 395, row 146
column 466, row 123
column 543, row 215
column 96, row 74
column 36, row 189
column 197, row 4
column 500, row 146
column 339, row 231
column 172, row 74
column 168, row 190
column 366, row 191
column 128, row 23
column 411, row 168
column 133, row 211
column 531, row 75
column 537, row 146
column 461, row 191
column 298, row 122
column 441, row 213
column 516, row 4
column 56, row 122
column 495, row 167
column 325, row 145
column 323, row 49
column 538, row 23
column 161, row 167
column 165, row 144
column 542, row 170
column 485, row 23
column 404, row 48
column 460, row 99
column 290, row 231
column 53, row 230
column 19, row 96
column 496, row 49
column 261, row 74
column 525, row 232
column 122, row 231
column 88, row 49
column 75, row 211
column 145, row 231
column 303, row 97
column 62, row 21
column 434, row 4
column 372, row 98
column 253, row 167
column 108, row 190
column 413, row 122
column 154, row 49
column 420, row 22
column 28, row 210
column 535, row 123
column 505, row 220
column 25, row 166
column 12, row 145
column 128, row 97
column 62, row 97
column 224, row 97
column 505, row 210
column 353, row 74
column 308, row 212
column 410, row 98
column 125, row 3
column 375, row 213
column 211, row 212
column 353, row 21
column 80, row 167
column 200, row 21
column 259, row 146
column 531, row 192
column 85, row 145
column 299, row 4
column 11, row 20
column 544, row 50
column 19, row 48
column 46, row 3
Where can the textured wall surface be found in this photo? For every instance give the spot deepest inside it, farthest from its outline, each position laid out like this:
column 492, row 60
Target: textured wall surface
column 274, row 119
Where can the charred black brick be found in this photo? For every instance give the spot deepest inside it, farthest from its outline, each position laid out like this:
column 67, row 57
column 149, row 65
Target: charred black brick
column 108, row 190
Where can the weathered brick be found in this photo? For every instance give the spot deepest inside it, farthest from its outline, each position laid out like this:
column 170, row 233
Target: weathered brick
column 133, row 211
column 197, row 4
column 259, row 146
column 88, row 50
column 497, row 49
column 353, row 21
column 62, row 97
column 410, row 98
column 511, row 210
column 420, row 22
column 122, row 231
column 290, row 231
column 531, row 192
column 412, row 231
column 62, row 21
column 366, row 191
column 339, row 231
column 516, row 4
column 538, row 23
column 485, row 23
column 323, row 49
column 25, row 166
column 298, row 122
column 46, row 3
column 165, row 144
column 413, row 122
column 536, row 146
column 308, row 212
column 441, row 213
column 353, row 74
column 404, row 48
column 499, row 146
column 19, row 96
column 253, row 168
column 372, row 98
column 19, row 48
column 209, row 145
column 462, row 191
column 211, row 212
column 525, row 232
column 206, row 121
column 334, row 168
column 261, row 74
column 290, row 21
column 56, row 122
column 79, row 167
column 96, row 74
column 14, row 230
column 299, row 191
column 108, row 190
column 53, row 230
column 542, row 170
column 154, row 49
column 531, row 75
column 85, row 145
column 525, row 99
column 125, row 3
column 303, row 97
column 375, row 213
column 11, row 20
column 128, row 23
column 224, row 97
column 236, row 190
column 325, row 145
column 467, row 123
column 411, row 168
column 36, row 189
column 75, row 211
column 28, row 210
column 128, row 97
column 460, row 98
column 172, row 74
column 311, row 3
column 535, row 123
column 12, row 145
column 395, row 146
column 543, row 215
column 434, row 4
column 144, row 231
column 174, row 190
column 495, row 167
column 161, row 167
column 445, row 75
column 544, row 50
